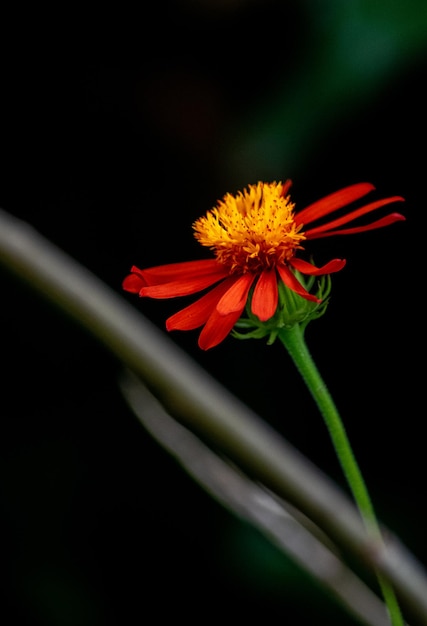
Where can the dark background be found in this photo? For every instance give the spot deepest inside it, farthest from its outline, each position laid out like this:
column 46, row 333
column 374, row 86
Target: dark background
column 116, row 132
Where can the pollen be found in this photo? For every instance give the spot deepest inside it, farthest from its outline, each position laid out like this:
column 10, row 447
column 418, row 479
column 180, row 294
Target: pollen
column 253, row 230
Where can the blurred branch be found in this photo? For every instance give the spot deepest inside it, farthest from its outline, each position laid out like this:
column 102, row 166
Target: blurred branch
column 286, row 528
column 199, row 401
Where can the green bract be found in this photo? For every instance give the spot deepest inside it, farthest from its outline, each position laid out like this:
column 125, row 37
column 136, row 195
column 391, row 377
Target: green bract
column 292, row 309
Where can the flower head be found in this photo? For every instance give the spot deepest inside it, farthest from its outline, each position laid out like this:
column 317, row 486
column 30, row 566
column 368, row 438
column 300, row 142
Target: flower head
column 255, row 236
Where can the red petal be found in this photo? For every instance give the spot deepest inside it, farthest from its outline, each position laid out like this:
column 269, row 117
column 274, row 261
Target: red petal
column 196, row 314
column 290, row 281
column 384, row 221
column 266, row 296
column 217, row 328
column 286, row 186
column 175, row 271
column 332, row 202
column 349, row 217
column 236, row 296
column 183, row 287
column 311, row 270
column 133, row 283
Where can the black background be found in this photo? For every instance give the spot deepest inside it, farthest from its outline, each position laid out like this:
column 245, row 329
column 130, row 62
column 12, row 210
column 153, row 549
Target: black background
column 117, row 131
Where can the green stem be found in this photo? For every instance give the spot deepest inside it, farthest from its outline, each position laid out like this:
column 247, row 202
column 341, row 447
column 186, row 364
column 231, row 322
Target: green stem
column 293, row 340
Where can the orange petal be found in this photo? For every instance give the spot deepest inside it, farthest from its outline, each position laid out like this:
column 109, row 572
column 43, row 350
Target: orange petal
column 290, row 281
column 134, row 282
column 311, row 270
column 349, row 217
column 332, row 202
column 236, row 296
column 265, row 296
column 286, row 186
column 182, row 287
column 196, row 314
column 217, row 328
column 384, row 221
column 176, row 271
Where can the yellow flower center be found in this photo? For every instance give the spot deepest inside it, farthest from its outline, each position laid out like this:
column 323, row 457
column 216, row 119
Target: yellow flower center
column 253, row 230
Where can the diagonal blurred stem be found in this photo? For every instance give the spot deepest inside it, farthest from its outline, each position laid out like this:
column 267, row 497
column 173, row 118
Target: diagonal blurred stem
column 290, row 531
column 196, row 399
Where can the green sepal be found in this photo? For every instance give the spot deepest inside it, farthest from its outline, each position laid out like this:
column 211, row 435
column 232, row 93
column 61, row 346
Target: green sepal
column 291, row 309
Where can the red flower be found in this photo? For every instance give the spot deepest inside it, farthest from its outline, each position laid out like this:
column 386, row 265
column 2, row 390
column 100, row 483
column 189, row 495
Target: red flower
column 255, row 236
